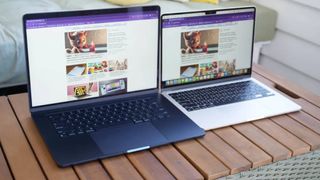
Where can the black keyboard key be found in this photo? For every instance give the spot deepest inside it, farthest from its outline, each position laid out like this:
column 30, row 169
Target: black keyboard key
column 91, row 119
column 138, row 121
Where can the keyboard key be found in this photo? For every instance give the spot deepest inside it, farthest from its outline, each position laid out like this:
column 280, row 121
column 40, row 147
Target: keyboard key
column 137, row 121
column 91, row 119
column 208, row 97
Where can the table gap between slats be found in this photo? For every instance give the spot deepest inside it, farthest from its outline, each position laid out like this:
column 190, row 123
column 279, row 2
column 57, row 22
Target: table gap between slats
column 52, row 171
column 91, row 170
column 83, row 171
column 28, row 141
column 308, row 120
column 16, row 146
column 225, row 153
column 287, row 139
column 206, row 163
column 180, row 167
column 149, row 166
column 214, row 154
column 244, row 146
column 308, row 107
column 304, row 133
column 309, row 114
column 265, row 142
column 120, row 167
column 303, row 117
column 5, row 171
column 307, row 95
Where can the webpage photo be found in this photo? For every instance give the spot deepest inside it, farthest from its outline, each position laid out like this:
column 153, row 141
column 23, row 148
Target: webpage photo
column 205, row 46
column 80, row 57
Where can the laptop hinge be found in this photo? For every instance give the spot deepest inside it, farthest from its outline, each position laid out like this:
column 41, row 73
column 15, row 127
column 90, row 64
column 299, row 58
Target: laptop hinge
column 207, row 83
column 92, row 101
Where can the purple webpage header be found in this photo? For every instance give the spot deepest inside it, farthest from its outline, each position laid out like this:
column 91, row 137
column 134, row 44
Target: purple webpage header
column 207, row 19
column 90, row 19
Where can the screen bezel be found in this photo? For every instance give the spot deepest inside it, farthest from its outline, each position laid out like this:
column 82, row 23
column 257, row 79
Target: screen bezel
column 35, row 16
column 206, row 12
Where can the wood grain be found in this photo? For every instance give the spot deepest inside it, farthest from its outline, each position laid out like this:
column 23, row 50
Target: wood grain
column 276, row 150
column 149, row 166
column 16, row 146
column 20, row 104
column 283, row 91
column 307, row 120
column 309, row 108
column 119, row 167
column 219, row 153
column 4, row 169
column 299, row 130
column 309, row 96
column 306, row 106
column 249, row 150
column 209, row 166
column 225, row 153
column 289, row 140
column 176, row 163
column 91, row 170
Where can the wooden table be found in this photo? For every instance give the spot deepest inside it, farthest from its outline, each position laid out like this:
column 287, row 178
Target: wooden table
column 229, row 150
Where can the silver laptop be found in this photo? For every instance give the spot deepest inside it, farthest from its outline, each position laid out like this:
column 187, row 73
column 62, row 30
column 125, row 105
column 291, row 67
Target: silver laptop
column 207, row 66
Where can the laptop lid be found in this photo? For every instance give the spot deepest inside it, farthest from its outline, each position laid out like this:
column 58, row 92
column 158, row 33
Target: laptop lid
column 206, row 46
column 85, row 55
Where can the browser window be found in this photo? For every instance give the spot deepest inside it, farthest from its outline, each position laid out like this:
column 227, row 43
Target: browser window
column 206, row 46
column 73, row 58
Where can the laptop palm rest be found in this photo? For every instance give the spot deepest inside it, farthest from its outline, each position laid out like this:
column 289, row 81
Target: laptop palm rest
column 129, row 138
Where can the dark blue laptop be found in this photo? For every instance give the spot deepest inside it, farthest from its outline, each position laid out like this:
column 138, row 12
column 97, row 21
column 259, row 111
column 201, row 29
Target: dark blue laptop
column 93, row 83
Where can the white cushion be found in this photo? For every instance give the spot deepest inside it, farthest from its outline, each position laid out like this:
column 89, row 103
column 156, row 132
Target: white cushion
column 11, row 37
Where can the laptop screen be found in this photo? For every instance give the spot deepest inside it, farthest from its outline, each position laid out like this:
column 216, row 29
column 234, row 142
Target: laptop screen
column 88, row 54
column 205, row 46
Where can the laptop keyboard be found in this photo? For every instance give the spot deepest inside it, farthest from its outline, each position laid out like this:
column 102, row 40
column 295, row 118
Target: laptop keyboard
column 91, row 119
column 219, row 95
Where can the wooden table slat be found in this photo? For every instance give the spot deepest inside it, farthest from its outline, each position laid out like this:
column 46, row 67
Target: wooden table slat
column 273, row 85
column 219, row 153
column 4, row 169
column 306, row 94
column 292, row 96
column 264, row 141
column 309, row 108
column 299, row 130
column 307, row 120
column 176, row 163
column 119, row 167
column 149, row 166
column 249, row 150
column 225, row 153
column 19, row 102
column 16, row 146
column 91, row 170
column 209, row 166
column 289, row 140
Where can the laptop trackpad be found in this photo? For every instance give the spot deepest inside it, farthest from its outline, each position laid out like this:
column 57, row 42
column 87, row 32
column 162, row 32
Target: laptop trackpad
column 120, row 139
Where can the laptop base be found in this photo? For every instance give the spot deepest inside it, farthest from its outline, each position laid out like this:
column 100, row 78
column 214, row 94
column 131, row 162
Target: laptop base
column 240, row 112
